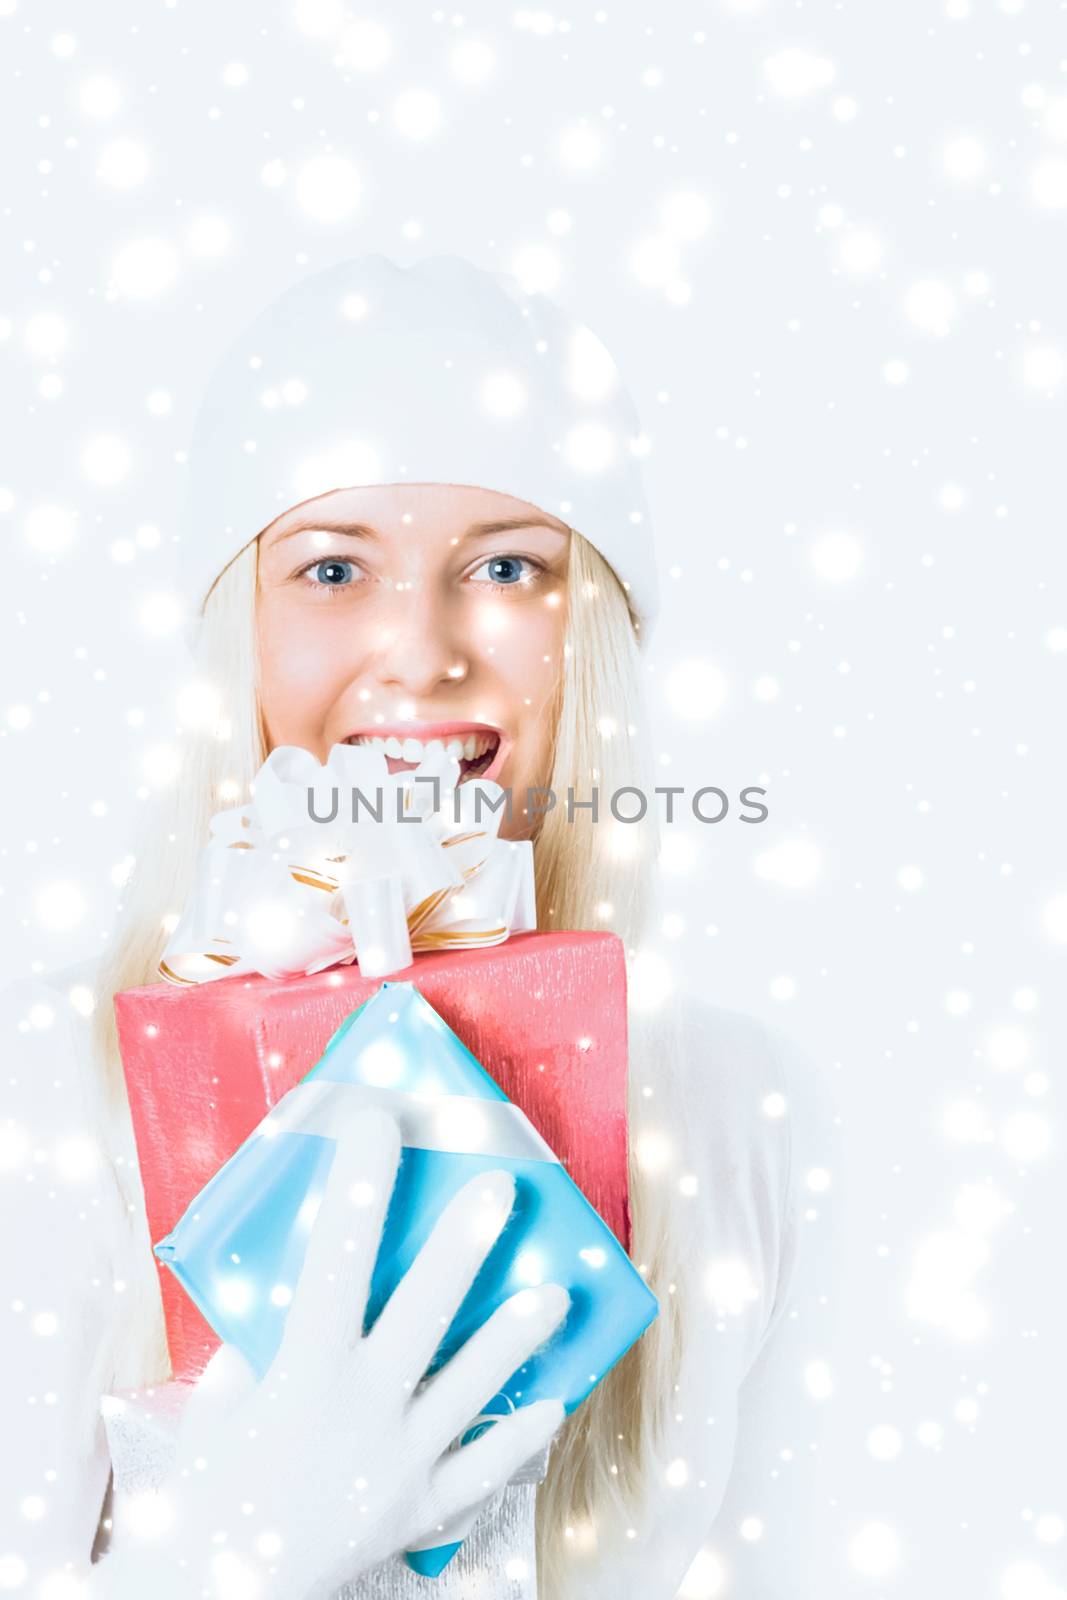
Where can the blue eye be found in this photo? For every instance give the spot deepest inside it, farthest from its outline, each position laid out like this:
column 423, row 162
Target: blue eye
column 333, row 573
column 504, row 570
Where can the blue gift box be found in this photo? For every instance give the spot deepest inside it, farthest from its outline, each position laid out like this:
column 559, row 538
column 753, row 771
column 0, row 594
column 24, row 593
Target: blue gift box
column 240, row 1244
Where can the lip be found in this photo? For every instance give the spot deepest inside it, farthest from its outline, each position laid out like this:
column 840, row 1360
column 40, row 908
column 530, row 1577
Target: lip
column 425, row 731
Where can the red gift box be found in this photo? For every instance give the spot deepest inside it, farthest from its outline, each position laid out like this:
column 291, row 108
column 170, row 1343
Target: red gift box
column 544, row 1014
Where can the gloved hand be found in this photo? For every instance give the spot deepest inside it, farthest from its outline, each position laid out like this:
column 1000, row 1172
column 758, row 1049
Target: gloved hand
column 293, row 1486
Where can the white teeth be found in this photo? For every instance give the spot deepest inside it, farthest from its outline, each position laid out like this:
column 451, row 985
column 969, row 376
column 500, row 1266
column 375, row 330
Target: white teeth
column 415, row 750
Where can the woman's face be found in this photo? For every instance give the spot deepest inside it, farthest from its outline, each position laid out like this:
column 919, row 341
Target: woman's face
column 416, row 612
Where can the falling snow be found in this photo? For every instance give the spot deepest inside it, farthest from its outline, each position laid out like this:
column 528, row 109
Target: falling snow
column 827, row 252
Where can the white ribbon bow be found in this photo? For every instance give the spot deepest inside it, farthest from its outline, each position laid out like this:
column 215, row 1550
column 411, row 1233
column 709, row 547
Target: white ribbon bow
column 280, row 893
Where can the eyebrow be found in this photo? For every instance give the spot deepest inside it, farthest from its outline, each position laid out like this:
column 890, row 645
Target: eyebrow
column 363, row 530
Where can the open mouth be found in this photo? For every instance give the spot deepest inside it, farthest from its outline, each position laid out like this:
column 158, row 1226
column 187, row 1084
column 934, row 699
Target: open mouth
column 480, row 754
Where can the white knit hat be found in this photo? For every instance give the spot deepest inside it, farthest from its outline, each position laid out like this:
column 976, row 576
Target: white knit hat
column 370, row 373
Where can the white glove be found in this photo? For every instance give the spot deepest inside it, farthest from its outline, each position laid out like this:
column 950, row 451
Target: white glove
column 288, row 1488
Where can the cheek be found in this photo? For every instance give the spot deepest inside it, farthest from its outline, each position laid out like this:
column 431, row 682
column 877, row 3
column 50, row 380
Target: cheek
column 299, row 668
column 529, row 671
column 528, row 657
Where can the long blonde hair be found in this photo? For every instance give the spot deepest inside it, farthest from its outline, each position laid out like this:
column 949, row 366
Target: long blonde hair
column 588, row 876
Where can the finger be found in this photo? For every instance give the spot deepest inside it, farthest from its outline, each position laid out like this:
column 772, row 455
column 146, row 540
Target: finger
column 455, row 1396
column 224, row 1383
column 430, row 1293
column 330, row 1299
column 464, row 1478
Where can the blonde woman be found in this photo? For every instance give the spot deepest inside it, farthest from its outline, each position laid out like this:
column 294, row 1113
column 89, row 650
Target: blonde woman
column 415, row 512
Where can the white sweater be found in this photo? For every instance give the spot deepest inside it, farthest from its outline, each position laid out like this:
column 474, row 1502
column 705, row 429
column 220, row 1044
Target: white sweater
column 737, row 1492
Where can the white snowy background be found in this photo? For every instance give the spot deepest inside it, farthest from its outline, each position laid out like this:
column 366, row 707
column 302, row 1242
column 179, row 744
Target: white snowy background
column 826, row 244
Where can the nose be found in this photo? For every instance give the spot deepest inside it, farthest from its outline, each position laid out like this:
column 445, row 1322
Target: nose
column 419, row 644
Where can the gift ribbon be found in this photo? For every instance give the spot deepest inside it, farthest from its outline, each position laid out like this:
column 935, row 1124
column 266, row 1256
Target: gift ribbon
column 341, row 862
